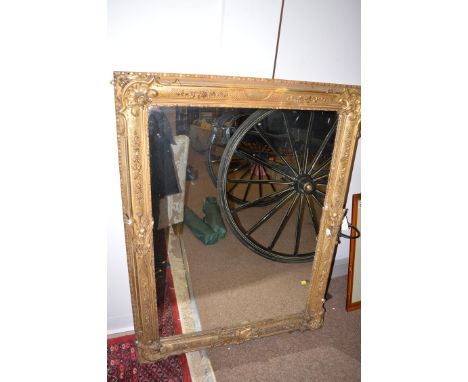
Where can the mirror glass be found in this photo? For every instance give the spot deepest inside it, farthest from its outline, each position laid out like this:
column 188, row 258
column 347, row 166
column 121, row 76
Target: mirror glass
column 236, row 196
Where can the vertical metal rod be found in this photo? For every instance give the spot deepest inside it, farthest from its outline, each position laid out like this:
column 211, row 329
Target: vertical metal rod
column 278, row 38
column 246, row 193
column 260, row 178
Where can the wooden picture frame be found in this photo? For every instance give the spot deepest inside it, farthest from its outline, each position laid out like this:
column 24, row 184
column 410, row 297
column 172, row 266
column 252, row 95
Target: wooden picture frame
column 353, row 304
column 135, row 92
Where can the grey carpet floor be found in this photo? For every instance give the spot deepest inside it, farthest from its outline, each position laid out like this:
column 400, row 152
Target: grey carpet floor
column 332, row 353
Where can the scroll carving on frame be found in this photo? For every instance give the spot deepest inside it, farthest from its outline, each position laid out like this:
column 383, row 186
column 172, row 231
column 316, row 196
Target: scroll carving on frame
column 135, row 93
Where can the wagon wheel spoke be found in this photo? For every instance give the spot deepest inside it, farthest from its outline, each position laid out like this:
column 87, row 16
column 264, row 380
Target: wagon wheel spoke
column 236, row 169
column 269, row 214
column 236, row 183
column 260, row 178
column 298, row 225
column 246, row 193
column 323, row 166
column 291, row 144
column 269, row 179
column 257, row 160
column 283, row 222
column 313, row 216
column 259, row 181
column 322, row 177
column 268, row 142
column 320, row 192
column 322, row 147
column 306, row 150
column 258, row 200
column 316, row 199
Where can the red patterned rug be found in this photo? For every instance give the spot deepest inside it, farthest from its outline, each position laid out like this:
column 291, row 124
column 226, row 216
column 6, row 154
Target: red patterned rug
column 121, row 357
column 123, row 366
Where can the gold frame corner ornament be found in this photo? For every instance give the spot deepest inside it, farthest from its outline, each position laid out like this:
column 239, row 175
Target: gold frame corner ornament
column 134, row 93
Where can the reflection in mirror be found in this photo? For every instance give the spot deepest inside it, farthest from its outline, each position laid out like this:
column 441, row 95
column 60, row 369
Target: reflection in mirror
column 237, row 197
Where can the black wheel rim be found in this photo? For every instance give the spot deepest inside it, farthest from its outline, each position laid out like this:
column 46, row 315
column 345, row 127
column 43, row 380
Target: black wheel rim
column 290, row 177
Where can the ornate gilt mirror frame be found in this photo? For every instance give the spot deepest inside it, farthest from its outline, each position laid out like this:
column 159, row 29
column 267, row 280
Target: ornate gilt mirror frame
column 134, row 94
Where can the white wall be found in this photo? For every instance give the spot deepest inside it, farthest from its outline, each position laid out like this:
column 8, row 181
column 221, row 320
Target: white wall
column 199, row 37
column 320, row 41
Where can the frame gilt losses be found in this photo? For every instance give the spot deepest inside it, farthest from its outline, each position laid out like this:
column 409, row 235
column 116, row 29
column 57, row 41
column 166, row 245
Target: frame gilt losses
column 134, row 94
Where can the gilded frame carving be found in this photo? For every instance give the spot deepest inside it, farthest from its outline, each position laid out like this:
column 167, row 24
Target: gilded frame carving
column 134, row 94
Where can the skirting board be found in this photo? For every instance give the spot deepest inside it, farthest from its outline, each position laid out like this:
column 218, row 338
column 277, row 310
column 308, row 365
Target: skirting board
column 121, row 330
column 126, row 325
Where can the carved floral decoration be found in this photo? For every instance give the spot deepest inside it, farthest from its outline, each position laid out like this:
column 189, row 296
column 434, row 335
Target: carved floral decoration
column 351, row 104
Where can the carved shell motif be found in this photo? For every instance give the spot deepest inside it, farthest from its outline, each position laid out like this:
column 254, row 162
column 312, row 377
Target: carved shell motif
column 138, row 94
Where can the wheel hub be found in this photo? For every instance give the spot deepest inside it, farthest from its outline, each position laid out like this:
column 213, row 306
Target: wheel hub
column 305, row 185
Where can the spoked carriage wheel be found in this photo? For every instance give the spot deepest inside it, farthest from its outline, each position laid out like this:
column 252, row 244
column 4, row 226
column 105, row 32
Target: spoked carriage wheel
column 281, row 221
column 238, row 167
